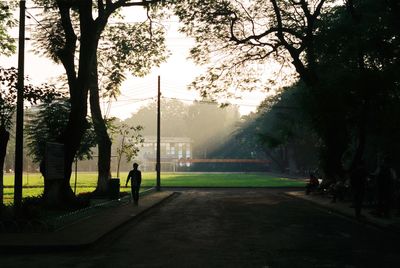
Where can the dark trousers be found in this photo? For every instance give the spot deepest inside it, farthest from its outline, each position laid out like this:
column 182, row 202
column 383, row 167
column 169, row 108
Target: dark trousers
column 358, row 201
column 135, row 193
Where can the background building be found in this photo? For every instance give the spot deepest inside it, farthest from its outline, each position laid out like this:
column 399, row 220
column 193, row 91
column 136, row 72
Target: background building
column 172, row 149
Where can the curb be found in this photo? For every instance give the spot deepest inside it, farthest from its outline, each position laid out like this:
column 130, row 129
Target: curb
column 365, row 221
column 71, row 246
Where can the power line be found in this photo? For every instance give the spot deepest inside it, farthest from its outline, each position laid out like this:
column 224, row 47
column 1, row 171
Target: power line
column 118, row 104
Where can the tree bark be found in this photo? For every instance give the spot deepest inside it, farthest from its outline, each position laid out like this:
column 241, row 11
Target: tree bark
column 4, row 137
column 103, row 139
column 59, row 192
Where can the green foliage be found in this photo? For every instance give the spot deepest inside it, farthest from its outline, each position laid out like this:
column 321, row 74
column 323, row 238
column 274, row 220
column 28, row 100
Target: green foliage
column 46, row 123
column 347, row 55
column 173, row 114
column 49, row 42
column 136, row 47
column 133, row 47
column 130, row 140
column 236, row 40
column 8, row 94
column 7, row 43
column 282, row 130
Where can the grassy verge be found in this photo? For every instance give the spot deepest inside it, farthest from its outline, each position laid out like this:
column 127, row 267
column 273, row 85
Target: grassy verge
column 86, row 182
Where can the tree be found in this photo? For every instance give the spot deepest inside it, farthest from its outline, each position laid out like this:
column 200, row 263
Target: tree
column 243, row 36
column 44, row 124
column 356, row 56
column 246, row 35
column 73, row 39
column 135, row 48
column 346, row 55
column 128, row 144
column 173, row 114
column 8, row 99
column 7, row 43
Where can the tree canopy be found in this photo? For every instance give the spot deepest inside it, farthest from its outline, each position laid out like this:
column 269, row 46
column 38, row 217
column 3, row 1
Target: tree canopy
column 346, row 54
column 80, row 35
column 46, row 122
column 7, row 43
column 238, row 38
column 8, row 100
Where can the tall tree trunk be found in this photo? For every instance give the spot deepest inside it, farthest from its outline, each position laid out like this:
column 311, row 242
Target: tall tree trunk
column 103, row 139
column 59, row 192
column 4, row 137
column 362, row 137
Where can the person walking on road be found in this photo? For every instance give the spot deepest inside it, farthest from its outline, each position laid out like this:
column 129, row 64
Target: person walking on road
column 136, row 179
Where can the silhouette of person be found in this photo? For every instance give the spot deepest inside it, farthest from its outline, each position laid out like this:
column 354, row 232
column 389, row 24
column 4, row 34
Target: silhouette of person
column 136, row 179
column 358, row 180
column 385, row 190
column 312, row 184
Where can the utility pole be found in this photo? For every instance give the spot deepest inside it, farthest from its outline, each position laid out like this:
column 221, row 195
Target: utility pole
column 19, row 138
column 158, row 165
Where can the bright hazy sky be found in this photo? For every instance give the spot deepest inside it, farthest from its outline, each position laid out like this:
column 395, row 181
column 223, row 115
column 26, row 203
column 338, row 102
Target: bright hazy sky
column 175, row 74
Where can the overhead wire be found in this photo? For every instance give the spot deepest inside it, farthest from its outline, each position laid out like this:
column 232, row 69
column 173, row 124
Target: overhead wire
column 142, row 86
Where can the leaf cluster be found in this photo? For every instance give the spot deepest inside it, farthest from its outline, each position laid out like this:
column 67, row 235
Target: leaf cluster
column 236, row 40
column 46, row 122
column 130, row 140
column 8, row 94
column 134, row 48
column 123, row 47
column 7, row 21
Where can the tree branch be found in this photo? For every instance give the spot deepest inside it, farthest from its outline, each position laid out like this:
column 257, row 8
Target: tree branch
column 67, row 53
column 317, row 11
column 258, row 37
column 130, row 3
column 100, row 6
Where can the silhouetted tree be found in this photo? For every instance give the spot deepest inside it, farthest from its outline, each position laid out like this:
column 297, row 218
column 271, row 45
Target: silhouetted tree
column 7, row 43
column 45, row 122
column 345, row 54
column 8, row 105
column 128, row 143
column 73, row 39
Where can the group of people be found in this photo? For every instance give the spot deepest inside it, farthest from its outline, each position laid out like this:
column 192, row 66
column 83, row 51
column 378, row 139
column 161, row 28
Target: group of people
column 383, row 185
column 380, row 189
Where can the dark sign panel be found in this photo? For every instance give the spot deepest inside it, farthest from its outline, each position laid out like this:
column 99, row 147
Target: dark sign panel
column 54, row 161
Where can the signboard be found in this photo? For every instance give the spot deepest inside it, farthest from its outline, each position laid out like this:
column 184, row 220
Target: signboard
column 54, row 161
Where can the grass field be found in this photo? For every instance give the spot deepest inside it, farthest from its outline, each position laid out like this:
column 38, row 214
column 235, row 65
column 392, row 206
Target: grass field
column 86, row 182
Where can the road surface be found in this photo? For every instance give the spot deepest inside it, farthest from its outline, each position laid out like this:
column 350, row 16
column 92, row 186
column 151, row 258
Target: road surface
column 231, row 228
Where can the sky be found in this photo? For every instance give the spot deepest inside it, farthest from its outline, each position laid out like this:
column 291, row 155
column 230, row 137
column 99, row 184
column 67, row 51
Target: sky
column 175, row 74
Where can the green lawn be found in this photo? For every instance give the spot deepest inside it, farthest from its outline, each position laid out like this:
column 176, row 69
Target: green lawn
column 86, row 182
